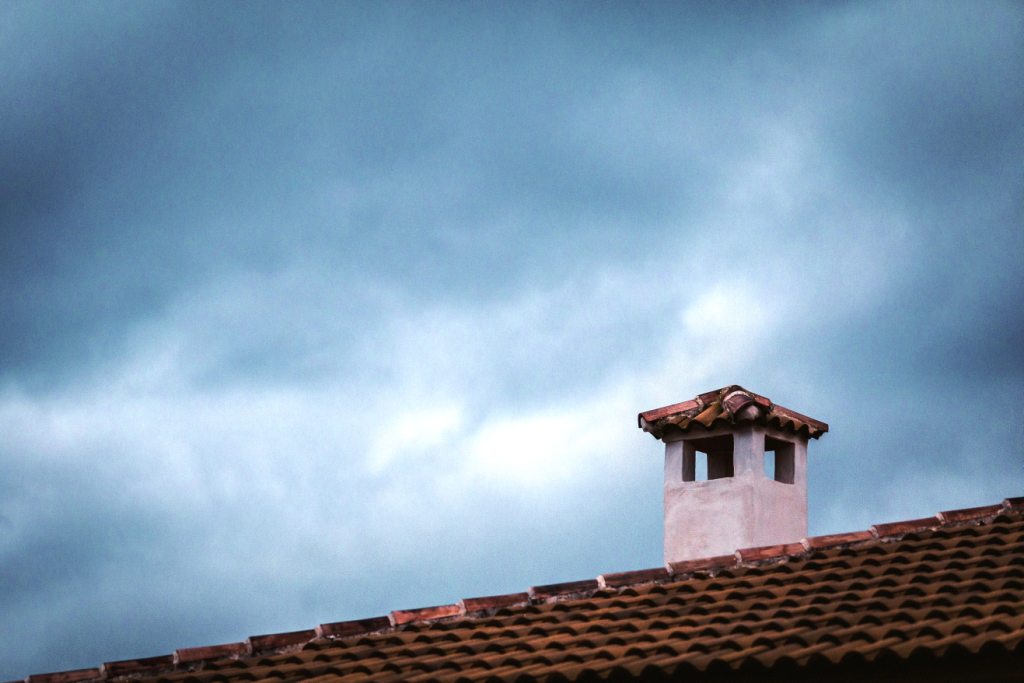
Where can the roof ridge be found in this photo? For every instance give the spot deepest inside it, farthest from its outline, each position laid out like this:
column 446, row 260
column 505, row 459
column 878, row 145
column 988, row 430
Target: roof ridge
column 276, row 643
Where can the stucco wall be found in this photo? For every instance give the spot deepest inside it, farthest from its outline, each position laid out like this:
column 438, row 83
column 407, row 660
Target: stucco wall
column 719, row 516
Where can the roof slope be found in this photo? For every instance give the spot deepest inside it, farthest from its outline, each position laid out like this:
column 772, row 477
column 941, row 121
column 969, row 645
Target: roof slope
column 924, row 592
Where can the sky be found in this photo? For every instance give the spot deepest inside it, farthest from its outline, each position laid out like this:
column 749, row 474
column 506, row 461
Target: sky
column 315, row 311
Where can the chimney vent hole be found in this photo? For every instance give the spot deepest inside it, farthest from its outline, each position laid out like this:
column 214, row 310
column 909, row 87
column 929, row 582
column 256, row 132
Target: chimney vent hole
column 779, row 461
column 706, row 459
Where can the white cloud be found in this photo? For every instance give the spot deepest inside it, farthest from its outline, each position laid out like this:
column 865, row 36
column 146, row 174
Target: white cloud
column 412, row 432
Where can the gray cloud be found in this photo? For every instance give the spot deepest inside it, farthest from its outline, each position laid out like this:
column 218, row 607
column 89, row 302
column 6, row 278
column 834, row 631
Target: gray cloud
column 314, row 314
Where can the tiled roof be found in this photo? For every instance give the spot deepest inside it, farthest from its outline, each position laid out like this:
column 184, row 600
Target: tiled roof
column 918, row 593
column 727, row 405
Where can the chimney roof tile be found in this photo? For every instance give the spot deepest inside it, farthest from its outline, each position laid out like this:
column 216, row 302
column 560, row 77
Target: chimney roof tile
column 725, row 406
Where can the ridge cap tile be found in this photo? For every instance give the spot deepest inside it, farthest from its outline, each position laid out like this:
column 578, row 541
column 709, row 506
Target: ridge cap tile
column 1013, row 503
column 834, row 540
column 352, row 627
column 121, row 667
column 770, row 552
column 188, row 655
column 564, row 589
column 703, row 564
column 969, row 514
column 204, row 652
column 400, row 617
column 907, row 526
column 633, row 577
column 69, row 676
column 489, row 602
column 271, row 641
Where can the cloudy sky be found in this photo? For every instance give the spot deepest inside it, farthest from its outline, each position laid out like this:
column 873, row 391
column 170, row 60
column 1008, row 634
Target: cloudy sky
column 312, row 312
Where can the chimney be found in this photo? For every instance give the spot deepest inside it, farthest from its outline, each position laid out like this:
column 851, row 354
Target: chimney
column 735, row 472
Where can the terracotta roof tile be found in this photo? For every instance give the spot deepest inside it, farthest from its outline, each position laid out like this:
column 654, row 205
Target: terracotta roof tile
column 943, row 589
column 272, row 641
column 341, row 629
column 706, row 564
column 968, row 514
column 833, row 540
column 906, row 527
column 65, row 676
column 493, row 602
column 408, row 616
column 633, row 577
column 1014, row 503
column 189, row 655
column 136, row 666
column 769, row 552
column 727, row 405
column 561, row 590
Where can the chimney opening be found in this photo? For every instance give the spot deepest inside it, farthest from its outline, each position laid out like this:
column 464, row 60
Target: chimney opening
column 779, row 460
column 708, row 458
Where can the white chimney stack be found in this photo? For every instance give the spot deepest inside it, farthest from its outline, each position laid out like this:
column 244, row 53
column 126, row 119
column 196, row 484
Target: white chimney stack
column 735, row 472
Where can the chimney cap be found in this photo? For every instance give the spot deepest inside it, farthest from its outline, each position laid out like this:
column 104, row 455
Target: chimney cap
column 726, row 406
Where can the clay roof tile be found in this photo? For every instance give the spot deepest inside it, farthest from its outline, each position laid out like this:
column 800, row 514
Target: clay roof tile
column 189, row 655
column 881, row 599
column 769, row 552
column 703, row 565
column 75, row 676
column 727, row 405
column 833, row 540
column 969, row 514
column 137, row 666
column 422, row 614
column 272, row 641
column 342, row 629
column 905, row 527
column 493, row 602
column 634, row 577
column 562, row 590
